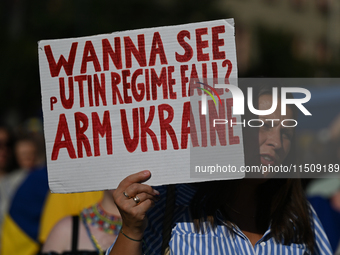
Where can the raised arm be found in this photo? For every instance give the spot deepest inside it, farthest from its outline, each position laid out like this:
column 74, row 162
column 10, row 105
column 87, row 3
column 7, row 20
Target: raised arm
column 133, row 200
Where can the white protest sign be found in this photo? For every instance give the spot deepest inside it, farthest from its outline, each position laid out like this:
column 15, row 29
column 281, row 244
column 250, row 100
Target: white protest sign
column 115, row 104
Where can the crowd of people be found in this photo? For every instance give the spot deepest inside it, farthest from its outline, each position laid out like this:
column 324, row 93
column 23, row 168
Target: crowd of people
column 34, row 221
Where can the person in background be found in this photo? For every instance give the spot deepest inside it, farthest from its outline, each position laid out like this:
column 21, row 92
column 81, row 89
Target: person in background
column 6, row 166
column 27, row 159
column 89, row 233
column 34, row 210
column 26, row 153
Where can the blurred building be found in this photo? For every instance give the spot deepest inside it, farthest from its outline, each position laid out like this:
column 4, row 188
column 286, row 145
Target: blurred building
column 312, row 25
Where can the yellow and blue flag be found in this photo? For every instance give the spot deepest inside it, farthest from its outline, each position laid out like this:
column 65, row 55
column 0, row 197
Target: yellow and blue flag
column 34, row 211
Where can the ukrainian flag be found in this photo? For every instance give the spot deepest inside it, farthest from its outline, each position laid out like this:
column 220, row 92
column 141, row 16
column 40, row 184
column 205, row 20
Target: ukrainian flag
column 34, row 211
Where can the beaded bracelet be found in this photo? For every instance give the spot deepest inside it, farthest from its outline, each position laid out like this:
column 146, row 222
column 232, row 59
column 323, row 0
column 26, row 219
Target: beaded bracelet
column 121, row 231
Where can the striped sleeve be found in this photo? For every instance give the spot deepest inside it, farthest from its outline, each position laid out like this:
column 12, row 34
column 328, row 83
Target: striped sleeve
column 322, row 245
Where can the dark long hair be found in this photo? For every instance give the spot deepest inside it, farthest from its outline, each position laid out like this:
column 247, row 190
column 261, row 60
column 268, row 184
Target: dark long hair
column 285, row 207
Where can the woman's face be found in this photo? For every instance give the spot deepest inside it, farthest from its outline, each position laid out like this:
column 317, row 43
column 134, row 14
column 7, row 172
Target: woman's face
column 274, row 139
column 26, row 154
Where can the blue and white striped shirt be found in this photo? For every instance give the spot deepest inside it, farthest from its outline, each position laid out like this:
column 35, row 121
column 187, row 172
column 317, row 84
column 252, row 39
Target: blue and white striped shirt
column 219, row 240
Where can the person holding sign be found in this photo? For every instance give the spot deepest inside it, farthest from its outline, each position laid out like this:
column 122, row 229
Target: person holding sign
column 247, row 216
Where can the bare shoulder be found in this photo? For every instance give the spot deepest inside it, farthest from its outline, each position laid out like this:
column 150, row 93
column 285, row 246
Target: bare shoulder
column 59, row 239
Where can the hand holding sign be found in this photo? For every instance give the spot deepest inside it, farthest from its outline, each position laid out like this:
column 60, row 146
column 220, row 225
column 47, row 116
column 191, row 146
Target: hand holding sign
column 134, row 200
